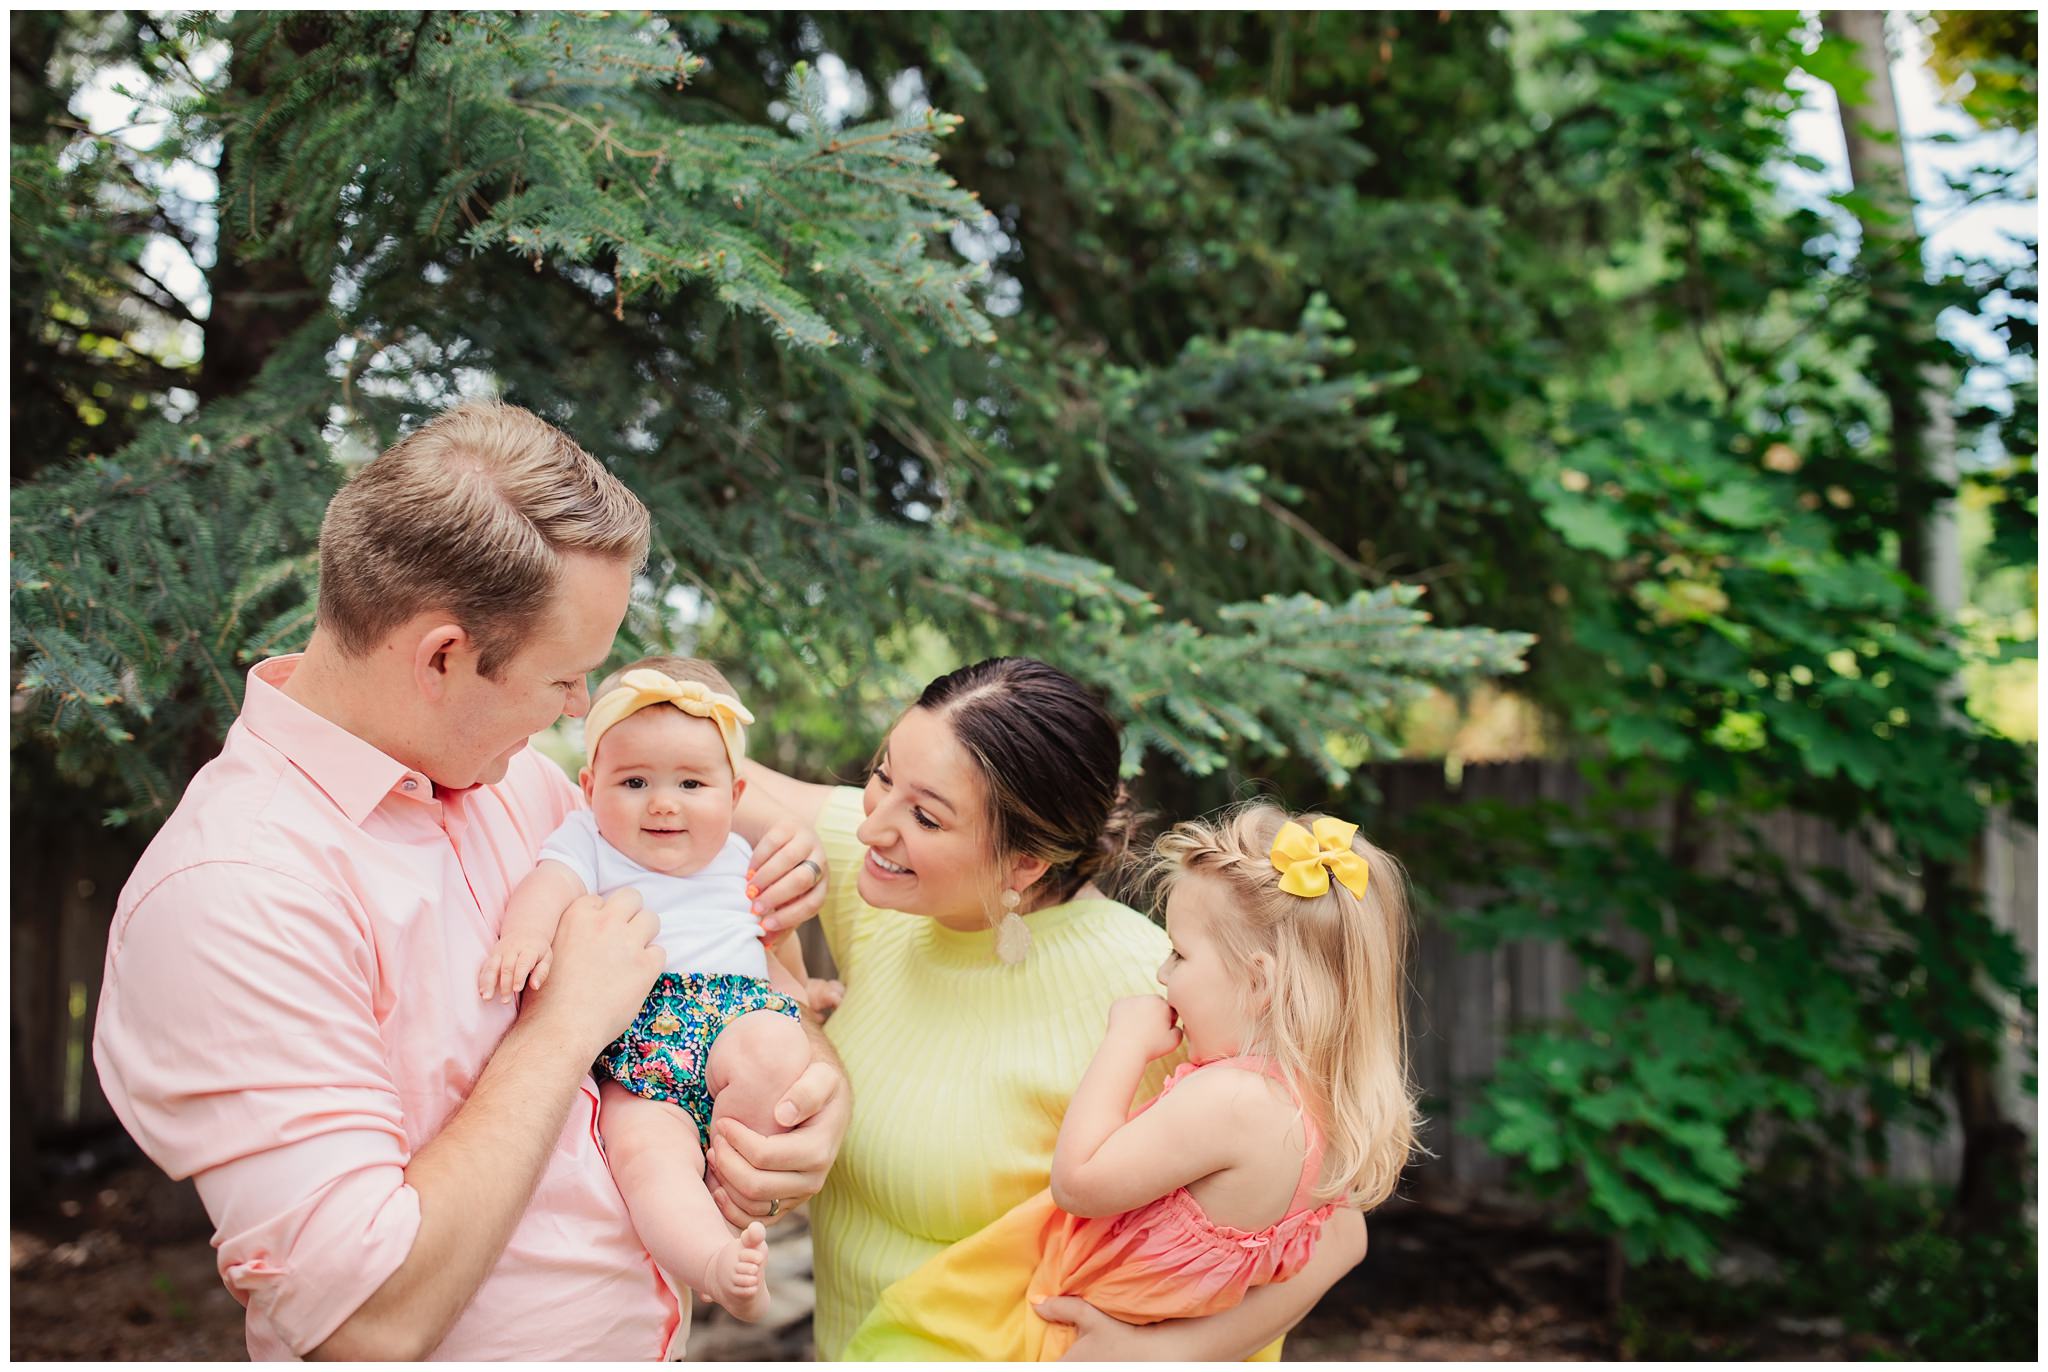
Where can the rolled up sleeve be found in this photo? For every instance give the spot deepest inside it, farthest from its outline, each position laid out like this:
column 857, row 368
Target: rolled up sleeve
column 238, row 1042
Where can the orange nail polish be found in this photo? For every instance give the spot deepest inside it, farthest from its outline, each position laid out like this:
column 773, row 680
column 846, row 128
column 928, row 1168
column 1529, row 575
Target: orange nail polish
column 753, row 891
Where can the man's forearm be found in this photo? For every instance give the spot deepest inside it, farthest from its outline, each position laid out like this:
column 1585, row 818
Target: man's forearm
column 474, row 1180
column 821, row 1047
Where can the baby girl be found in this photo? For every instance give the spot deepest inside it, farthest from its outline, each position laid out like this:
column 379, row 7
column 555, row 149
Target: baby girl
column 665, row 739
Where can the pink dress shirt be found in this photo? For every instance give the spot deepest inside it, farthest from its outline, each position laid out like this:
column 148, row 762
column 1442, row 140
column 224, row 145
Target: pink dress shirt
column 290, row 1012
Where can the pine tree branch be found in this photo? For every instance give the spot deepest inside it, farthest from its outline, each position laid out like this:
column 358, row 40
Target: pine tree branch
column 164, row 376
column 600, row 137
column 983, row 603
column 1315, row 536
column 171, row 303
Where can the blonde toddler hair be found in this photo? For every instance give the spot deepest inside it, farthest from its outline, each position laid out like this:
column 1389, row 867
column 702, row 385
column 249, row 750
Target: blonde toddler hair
column 1334, row 1023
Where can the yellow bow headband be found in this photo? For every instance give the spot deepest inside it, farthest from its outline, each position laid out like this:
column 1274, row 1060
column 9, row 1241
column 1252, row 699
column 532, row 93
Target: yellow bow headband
column 1306, row 863
column 644, row 686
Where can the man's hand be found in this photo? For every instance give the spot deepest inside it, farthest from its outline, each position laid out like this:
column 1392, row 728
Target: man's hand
column 751, row 1173
column 1146, row 1024
column 512, row 964
column 787, row 879
column 1099, row 1337
column 605, row 960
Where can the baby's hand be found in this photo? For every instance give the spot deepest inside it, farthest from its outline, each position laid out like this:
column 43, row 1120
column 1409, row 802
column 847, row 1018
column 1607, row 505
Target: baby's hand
column 1144, row 1022
column 514, row 964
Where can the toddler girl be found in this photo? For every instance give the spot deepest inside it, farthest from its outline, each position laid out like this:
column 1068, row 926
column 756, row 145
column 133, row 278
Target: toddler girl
column 1285, row 983
column 665, row 739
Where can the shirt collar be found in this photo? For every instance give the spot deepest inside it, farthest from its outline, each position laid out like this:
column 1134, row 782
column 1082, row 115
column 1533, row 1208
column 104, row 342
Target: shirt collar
column 355, row 774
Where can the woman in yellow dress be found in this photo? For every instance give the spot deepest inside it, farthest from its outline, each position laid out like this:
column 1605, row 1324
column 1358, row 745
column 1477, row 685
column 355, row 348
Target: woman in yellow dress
column 980, row 961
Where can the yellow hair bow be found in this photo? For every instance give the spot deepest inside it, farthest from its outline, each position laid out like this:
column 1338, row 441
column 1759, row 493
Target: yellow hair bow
column 1306, row 862
column 644, row 686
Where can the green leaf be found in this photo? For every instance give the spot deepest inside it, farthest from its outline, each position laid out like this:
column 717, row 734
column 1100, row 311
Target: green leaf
column 1595, row 528
column 1742, row 504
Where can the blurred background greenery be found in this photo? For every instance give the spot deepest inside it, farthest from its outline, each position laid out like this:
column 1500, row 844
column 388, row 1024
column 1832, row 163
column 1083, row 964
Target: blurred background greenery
column 1687, row 372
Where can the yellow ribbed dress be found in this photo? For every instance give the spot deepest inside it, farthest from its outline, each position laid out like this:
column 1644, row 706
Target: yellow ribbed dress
column 961, row 1069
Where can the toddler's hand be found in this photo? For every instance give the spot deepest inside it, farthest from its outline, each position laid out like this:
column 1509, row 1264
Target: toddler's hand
column 1144, row 1022
column 512, row 965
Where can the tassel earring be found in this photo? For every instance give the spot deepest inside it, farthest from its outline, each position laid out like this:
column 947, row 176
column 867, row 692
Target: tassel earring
column 1013, row 939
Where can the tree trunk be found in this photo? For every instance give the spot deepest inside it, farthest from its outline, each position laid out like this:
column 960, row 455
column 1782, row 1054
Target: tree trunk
column 256, row 305
column 1919, row 396
column 1922, row 422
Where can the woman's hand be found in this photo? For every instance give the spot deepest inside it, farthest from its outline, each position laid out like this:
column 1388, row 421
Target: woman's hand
column 786, row 881
column 765, row 1176
column 1145, row 1023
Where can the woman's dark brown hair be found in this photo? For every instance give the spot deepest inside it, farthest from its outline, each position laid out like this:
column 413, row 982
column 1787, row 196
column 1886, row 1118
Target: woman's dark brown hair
column 1049, row 753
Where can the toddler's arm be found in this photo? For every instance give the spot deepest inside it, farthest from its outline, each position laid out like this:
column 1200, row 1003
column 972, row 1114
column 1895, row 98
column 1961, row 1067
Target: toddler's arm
column 1107, row 1162
column 524, row 951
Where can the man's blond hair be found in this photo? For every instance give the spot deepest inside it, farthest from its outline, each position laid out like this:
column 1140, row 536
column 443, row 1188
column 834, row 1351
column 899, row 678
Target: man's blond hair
column 470, row 514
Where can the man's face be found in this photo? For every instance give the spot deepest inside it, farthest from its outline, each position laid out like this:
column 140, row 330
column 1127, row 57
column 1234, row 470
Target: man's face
column 484, row 723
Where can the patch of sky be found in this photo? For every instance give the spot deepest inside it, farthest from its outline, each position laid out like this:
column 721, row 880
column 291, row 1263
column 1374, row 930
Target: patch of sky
column 687, row 606
column 908, row 93
column 1975, row 197
column 846, row 90
column 984, row 241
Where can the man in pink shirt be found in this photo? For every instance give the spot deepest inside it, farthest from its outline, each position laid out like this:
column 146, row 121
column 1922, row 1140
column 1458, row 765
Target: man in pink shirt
column 397, row 1168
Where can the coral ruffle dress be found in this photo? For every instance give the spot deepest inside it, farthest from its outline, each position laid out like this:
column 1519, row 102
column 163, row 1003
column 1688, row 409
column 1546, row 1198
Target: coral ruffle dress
column 1164, row 1260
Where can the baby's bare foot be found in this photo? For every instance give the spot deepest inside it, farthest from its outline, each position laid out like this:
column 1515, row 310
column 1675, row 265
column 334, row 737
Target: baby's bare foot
column 735, row 1276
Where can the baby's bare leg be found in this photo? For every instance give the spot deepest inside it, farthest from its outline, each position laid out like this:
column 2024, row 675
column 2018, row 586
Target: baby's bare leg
column 754, row 1062
column 656, row 1160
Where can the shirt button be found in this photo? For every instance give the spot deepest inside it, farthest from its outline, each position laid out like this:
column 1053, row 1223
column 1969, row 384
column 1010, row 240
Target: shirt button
column 411, row 785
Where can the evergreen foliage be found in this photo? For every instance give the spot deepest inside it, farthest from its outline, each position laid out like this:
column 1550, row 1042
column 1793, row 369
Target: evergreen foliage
column 820, row 482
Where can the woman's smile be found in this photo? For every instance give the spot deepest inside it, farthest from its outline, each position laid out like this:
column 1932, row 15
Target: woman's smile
column 884, row 868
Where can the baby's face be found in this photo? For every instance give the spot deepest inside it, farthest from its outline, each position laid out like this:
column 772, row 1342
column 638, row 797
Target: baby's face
column 662, row 789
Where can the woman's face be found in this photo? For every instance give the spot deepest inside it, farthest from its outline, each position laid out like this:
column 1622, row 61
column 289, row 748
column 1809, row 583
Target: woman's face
column 926, row 829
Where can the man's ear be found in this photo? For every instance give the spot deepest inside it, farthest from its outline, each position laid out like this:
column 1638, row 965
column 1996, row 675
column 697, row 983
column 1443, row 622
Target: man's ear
column 432, row 656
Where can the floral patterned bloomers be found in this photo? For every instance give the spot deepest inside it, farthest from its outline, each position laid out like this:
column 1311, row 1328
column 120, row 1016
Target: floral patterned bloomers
column 665, row 1054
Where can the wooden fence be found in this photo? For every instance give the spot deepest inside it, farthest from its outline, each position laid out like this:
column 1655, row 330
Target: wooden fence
column 1464, row 1004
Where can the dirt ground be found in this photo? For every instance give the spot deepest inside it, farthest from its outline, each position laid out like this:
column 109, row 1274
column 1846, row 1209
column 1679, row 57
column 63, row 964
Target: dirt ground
column 119, row 1269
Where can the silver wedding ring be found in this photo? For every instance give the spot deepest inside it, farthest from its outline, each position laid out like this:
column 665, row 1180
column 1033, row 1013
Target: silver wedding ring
column 817, row 875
